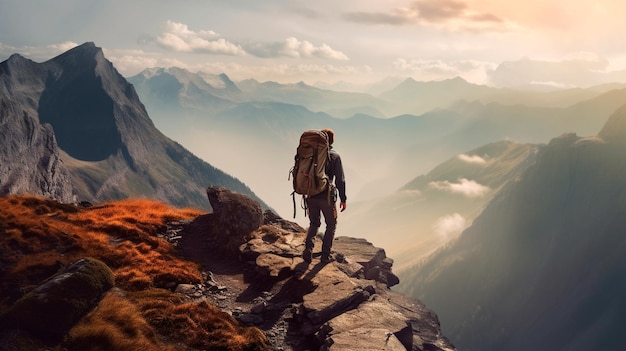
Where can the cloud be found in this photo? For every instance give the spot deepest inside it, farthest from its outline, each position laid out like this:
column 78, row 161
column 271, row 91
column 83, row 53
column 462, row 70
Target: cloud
column 131, row 62
column 377, row 18
column 437, row 10
column 452, row 13
column 468, row 188
column 475, row 159
column 292, row 47
column 449, row 225
column 36, row 53
column 582, row 71
column 178, row 37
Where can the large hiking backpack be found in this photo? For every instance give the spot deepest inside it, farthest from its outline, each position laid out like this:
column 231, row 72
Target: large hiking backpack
column 309, row 170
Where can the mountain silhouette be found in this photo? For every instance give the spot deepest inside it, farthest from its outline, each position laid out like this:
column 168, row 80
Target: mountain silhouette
column 614, row 131
column 98, row 140
column 434, row 208
column 541, row 267
column 176, row 88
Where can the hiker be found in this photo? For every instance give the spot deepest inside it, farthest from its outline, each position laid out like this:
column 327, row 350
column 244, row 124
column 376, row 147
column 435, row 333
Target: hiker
column 324, row 203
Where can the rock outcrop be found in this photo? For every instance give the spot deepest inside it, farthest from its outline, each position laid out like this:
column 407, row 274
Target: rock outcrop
column 55, row 306
column 237, row 215
column 342, row 305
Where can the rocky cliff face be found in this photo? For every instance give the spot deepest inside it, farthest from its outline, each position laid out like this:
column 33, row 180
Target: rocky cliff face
column 30, row 156
column 75, row 128
column 343, row 305
column 538, row 268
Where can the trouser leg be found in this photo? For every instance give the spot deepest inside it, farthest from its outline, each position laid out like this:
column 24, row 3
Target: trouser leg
column 314, row 224
column 330, row 217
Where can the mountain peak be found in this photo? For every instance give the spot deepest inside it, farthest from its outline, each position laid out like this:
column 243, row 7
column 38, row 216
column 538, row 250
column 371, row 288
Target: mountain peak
column 86, row 50
column 80, row 119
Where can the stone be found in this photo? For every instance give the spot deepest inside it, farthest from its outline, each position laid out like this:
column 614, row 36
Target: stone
column 56, row 305
column 274, row 219
column 236, row 216
column 376, row 314
column 274, row 266
column 185, row 289
column 424, row 323
column 376, row 265
column 259, row 308
column 363, row 339
column 250, row 319
column 272, row 240
column 334, row 294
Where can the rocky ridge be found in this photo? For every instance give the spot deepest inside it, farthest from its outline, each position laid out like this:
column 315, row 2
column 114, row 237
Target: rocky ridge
column 73, row 129
column 343, row 305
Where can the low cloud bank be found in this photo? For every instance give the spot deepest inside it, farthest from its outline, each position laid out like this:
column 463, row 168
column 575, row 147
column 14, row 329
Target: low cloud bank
column 464, row 187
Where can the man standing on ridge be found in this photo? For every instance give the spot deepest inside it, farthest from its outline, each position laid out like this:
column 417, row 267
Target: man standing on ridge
column 319, row 204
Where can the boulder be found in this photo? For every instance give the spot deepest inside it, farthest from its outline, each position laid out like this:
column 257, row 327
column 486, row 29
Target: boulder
column 236, row 215
column 55, row 306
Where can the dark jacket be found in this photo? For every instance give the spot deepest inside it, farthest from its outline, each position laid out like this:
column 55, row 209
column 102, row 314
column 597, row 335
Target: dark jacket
column 334, row 170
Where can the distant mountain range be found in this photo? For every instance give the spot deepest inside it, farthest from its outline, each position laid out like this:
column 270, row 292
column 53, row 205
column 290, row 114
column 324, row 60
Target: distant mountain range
column 250, row 129
column 74, row 129
column 541, row 268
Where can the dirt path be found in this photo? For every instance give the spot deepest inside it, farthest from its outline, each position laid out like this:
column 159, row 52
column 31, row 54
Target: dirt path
column 264, row 303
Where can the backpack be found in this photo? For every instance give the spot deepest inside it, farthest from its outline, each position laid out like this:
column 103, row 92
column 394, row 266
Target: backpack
column 309, row 170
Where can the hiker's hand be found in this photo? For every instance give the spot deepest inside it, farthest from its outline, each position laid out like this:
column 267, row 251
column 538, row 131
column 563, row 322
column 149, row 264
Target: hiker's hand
column 342, row 206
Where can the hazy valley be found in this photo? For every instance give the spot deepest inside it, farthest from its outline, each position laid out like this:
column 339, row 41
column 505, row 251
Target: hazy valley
column 251, row 133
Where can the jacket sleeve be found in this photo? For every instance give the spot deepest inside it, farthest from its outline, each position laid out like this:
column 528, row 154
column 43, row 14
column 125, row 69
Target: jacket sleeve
column 340, row 180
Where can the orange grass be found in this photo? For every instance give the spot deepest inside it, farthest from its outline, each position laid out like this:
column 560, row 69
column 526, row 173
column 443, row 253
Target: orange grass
column 39, row 233
column 38, row 237
column 116, row 324
column 199, row 325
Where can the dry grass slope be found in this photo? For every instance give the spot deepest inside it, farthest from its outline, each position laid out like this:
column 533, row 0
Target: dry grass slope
column 38, row 237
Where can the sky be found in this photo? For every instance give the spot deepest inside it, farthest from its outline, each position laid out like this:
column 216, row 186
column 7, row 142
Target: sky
column 350, row 42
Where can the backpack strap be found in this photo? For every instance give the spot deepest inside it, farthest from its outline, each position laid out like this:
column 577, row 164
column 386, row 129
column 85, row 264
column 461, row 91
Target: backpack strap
column 302, row 203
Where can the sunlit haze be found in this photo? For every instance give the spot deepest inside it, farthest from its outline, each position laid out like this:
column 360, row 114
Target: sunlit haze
column 500, row 43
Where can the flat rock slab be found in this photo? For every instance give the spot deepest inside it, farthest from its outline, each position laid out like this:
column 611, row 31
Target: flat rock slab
column 334, row 293
column 363, row 339
column 377, row 313
column 268, row 239
column 271, row 265
column 359, row 250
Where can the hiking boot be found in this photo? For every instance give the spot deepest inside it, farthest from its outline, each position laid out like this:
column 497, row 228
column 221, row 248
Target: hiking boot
column 307, row 255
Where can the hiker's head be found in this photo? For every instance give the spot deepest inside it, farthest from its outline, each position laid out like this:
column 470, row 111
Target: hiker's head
column 331, row 135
